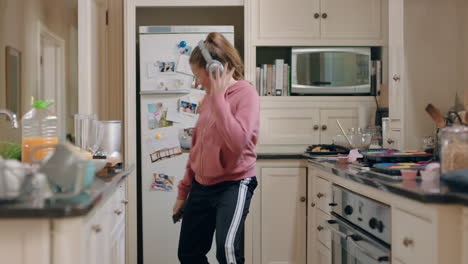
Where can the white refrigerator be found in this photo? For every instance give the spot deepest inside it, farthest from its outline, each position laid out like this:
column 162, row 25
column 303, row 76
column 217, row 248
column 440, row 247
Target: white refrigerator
column 168, row 109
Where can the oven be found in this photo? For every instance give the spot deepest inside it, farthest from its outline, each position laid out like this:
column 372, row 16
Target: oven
column 360, row 229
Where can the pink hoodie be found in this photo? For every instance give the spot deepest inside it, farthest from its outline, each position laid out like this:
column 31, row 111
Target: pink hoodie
column 224, row 139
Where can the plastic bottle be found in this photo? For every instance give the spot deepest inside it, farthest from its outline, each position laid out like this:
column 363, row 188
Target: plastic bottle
column 39, row 128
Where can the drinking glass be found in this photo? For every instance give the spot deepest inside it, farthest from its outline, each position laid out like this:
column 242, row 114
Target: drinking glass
column 83, row 125
column 95, row 137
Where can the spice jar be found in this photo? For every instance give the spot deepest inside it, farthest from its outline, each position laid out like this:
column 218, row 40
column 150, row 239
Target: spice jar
column 453, row 142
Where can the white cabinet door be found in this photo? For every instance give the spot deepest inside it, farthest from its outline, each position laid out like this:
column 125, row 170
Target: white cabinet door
column 25, row 241
column 277, row 22
column 465, row 235
column 413, row 239
column 329, row 127
column 351, row 19
column 289, row 127
column 283, row 215
column 118, row 244
column 96, row 243
column 396, row 58
column 323, row 255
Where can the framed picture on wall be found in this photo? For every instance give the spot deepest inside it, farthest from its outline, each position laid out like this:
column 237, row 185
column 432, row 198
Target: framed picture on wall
column 13, row 80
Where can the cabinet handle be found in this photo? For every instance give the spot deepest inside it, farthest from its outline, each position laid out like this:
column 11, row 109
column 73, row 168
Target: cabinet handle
column 320, row 195
column 396, row 77
column 303, row 199
column 324, row 127
column 408, row 242
column 316, row 127
column 96, row 228
column 118, row 212
column 319, row 228
column 390, row 141
column 125, row 202
column 312, row 204
column 324, row 15
column 316, row 15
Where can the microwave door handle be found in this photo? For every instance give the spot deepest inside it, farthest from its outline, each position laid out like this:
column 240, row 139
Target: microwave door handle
column 354, row 240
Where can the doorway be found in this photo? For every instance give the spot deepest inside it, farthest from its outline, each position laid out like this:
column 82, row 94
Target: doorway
column 51, row 75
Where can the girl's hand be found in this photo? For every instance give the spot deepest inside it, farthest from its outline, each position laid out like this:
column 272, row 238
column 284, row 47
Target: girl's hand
column 178, row 204
column 220, row 82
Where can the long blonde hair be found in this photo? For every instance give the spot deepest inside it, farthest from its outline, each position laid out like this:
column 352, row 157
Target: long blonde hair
column 222, row 50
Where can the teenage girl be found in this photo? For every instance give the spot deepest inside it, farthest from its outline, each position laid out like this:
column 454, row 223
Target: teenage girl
column 220, row 176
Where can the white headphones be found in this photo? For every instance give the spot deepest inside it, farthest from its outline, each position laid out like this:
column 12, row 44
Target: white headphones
column 211, row 65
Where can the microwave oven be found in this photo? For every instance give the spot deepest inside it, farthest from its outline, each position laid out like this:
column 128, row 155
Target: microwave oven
column 331, row 71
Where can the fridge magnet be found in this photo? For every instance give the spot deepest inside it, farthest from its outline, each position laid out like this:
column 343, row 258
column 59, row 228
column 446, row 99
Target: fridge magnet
column 152, row 70
column 183, row 65
column 169, row 84
column 185, row 138
column 165, row 153
column 157, row 116
column 162, row 182
column 166, row 66
column 163, row 143
column 187, row 107
column 184, row 49
column 174, row 115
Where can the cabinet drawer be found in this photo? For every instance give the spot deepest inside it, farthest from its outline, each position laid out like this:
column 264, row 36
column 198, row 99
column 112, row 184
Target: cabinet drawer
column 323, row 234
column 323, row 194
column 323, row 255
column 413, row 238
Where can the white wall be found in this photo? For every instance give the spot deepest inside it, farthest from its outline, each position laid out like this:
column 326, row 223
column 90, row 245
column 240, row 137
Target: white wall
column 19, row 28
column 434, row 44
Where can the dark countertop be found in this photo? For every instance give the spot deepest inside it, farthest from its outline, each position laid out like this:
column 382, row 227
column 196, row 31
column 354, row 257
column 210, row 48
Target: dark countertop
column 99, row 190
column 280, row 155
column 426, row 192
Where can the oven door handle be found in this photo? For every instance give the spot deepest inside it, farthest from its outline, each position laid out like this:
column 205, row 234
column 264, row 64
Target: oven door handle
column 330, row 223
column 354, row 240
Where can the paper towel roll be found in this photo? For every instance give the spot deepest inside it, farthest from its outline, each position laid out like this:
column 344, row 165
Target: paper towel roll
column 364, row 116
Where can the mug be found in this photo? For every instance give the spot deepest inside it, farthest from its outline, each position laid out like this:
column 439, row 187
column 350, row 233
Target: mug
column 67, row 170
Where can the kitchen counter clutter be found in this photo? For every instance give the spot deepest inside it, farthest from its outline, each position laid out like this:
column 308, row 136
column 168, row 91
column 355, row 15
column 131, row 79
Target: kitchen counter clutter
column 426, row 192
column 409, row 221
column 422, row 191
column 100, row 189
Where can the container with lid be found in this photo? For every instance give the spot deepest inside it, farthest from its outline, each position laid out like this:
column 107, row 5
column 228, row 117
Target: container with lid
column 453, row 143
column 39, row 128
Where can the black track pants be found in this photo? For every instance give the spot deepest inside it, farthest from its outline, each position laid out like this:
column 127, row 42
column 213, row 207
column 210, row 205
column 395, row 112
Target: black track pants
column 222, row 207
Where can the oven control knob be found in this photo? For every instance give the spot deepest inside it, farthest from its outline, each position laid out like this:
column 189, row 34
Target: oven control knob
column 348, row 210
column 373, row 223
column 380, row 226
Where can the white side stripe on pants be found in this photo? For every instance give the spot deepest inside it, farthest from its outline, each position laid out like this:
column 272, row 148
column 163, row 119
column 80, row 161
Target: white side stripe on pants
column 231, row 235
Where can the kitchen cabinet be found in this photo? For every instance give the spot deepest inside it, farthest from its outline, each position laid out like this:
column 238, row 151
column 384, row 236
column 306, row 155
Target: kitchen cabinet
column 413, row 240
column 290, row 124
column 329, row 127
column 283, row 234
column 465, row 235
column 25, row 241
column 355, row 19
column 322, row 255
column 95, row 238
column 317, row 22
column 397, row 79
column 276, row 226
column 318, row 237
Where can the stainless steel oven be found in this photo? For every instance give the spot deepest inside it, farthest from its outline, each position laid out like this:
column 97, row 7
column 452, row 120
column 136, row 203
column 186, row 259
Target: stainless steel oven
column 360, row 229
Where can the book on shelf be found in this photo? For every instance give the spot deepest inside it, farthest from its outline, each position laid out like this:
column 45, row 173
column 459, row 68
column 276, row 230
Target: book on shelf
column 273, row 79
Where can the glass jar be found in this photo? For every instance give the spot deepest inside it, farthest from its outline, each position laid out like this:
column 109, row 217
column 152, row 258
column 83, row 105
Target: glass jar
column 453, row 143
